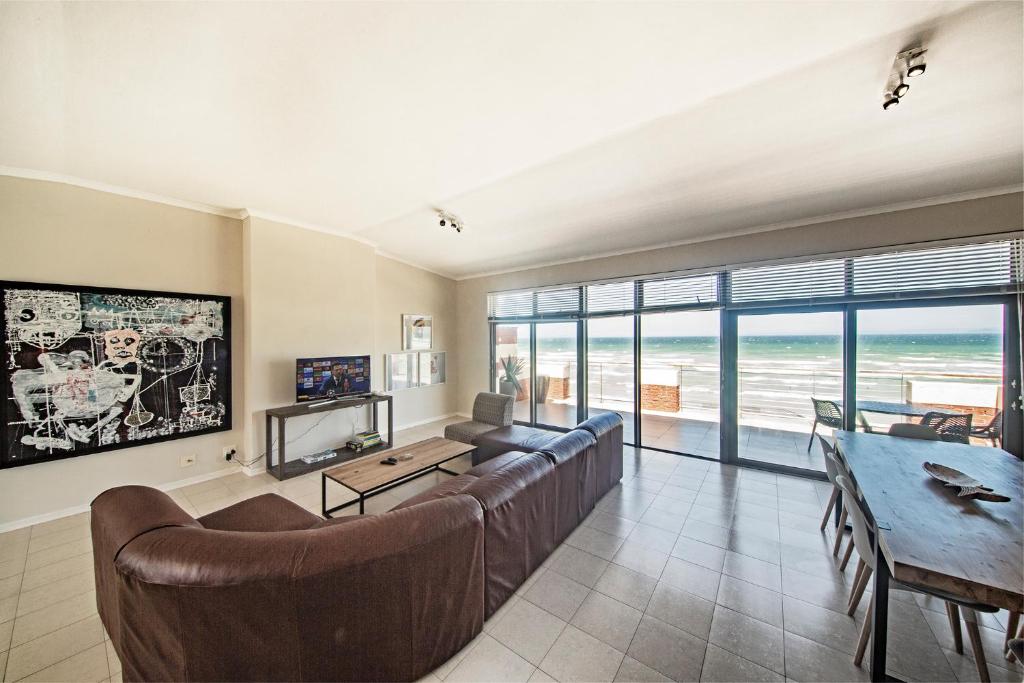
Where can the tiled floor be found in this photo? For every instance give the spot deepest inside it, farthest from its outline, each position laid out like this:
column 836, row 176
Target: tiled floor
column 689, row 570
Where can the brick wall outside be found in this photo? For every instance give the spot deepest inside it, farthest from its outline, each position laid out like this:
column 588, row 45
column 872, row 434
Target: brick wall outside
column 558, row 389
column 660, row 397
column 982, row 416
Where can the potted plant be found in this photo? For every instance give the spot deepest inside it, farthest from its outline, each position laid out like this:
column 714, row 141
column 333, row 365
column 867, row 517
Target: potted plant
column 511, row 368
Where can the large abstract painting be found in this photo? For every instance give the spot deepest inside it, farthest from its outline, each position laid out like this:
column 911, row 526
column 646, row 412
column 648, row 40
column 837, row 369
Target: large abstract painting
column 93, row 369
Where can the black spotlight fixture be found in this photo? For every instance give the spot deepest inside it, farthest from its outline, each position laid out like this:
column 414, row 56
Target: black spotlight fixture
column 915, row 64
column 446, row 218
column 909, row 62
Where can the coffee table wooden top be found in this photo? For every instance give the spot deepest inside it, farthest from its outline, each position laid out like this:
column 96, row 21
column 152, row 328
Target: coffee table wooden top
column 367, row 473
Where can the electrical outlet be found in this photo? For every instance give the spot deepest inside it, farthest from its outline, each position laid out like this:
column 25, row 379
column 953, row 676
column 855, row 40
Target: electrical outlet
column 187, row 460
column 229, row 452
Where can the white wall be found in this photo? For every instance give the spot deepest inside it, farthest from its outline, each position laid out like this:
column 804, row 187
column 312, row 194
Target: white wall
column 1003, row 213
column 295, row 293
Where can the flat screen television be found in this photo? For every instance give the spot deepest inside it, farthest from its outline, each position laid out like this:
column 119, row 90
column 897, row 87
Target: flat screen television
column 331, row 377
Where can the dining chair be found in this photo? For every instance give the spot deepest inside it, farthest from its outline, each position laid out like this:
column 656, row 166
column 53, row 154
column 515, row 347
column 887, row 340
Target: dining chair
column 833, row 468
column 826, row 413
column 993, row 431
column 864, row 541
column 914, row 431
column 1014, row 631
column 954, row 428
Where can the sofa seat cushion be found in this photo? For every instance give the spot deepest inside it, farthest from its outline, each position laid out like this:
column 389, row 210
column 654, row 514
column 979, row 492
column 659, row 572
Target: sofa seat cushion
column 269, row 512
column 495, row 464
column 467, row 432
column 448, row 487
column 512, row 438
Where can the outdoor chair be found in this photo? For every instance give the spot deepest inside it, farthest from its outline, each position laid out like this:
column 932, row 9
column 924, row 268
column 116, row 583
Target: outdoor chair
column 914, row 431
column 992, row 431
column 953, row 428
column 490, row 411
column 864, row 541
column 827, row 413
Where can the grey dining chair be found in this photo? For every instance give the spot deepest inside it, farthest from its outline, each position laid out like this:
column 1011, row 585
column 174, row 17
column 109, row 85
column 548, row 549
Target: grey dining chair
column 993, row 431
column 914, row 431
column 864, row 541
column 833, row 468
column 826, row 413
column 954, row 428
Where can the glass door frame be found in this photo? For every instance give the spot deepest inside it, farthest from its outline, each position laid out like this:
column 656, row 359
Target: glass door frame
column 731, row 382
column 581, row 364
column 1013, row 429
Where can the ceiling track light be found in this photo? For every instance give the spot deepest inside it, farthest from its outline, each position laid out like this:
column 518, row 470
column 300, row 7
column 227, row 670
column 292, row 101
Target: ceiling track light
column 907, row 64
column 446, row 218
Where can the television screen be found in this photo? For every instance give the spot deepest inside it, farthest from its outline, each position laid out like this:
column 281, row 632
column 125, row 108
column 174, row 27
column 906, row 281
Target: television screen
column 319, row 378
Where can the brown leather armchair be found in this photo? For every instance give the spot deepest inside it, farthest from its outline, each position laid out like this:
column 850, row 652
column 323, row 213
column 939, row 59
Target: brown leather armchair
column 386, row 597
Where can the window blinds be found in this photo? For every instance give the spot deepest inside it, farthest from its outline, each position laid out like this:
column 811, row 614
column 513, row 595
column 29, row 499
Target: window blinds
column 990, row 267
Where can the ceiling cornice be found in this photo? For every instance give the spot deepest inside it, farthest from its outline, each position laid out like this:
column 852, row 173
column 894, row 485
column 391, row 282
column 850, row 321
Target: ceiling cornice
column 32, row 174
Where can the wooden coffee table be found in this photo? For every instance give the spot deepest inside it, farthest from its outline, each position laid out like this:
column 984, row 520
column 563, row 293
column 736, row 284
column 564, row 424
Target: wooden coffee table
column 367, row 477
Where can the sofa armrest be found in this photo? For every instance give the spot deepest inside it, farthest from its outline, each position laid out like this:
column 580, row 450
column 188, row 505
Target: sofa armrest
column 493, row 409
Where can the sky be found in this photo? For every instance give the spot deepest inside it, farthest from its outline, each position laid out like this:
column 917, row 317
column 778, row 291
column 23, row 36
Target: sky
column 925, row 320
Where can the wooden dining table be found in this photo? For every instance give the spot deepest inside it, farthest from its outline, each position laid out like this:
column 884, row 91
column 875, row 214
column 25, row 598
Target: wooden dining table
column 928, row 536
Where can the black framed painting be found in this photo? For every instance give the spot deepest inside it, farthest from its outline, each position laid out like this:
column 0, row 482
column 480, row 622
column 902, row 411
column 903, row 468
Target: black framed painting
column 93, row 369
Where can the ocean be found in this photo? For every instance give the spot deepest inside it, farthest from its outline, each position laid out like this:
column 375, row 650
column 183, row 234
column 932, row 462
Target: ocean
column 778, row 373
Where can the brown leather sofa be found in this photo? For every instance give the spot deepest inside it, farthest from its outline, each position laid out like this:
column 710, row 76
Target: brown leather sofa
column 511, row 438
column 385, row 597
column 264, row 590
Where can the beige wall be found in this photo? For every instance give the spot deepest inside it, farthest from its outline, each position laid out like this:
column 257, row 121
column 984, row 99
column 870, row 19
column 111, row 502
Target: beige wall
column 295, row 293
column 50, row 232
column 406, row 289
column 309, row 294
column 944, row 221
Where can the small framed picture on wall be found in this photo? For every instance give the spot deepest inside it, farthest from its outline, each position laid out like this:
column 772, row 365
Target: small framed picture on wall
column 432, row 368
column 416, row 332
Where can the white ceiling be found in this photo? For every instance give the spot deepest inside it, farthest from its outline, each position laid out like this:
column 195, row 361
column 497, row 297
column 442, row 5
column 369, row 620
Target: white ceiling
column 556, row 130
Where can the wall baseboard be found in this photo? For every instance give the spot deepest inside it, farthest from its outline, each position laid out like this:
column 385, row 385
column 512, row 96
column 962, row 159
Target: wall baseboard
column 251, row 470
column 67, row 512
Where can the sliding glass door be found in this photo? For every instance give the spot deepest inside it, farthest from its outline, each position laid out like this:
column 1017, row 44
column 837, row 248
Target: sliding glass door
column 555, row 395
column 679, row 382
column 611, row 385
column 940, row 365
column 789, row 378
column 513, row 367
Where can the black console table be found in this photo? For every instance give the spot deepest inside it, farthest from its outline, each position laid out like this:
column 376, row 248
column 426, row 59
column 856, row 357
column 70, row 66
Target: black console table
column 283, row 469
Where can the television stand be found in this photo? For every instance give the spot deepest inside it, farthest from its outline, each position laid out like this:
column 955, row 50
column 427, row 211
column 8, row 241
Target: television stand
column 282, row 469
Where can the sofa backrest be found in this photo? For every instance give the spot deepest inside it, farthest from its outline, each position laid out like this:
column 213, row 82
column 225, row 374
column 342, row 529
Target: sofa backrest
column 385, row 597
column 493, row 409
column 569, row 445
column 607, row 429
